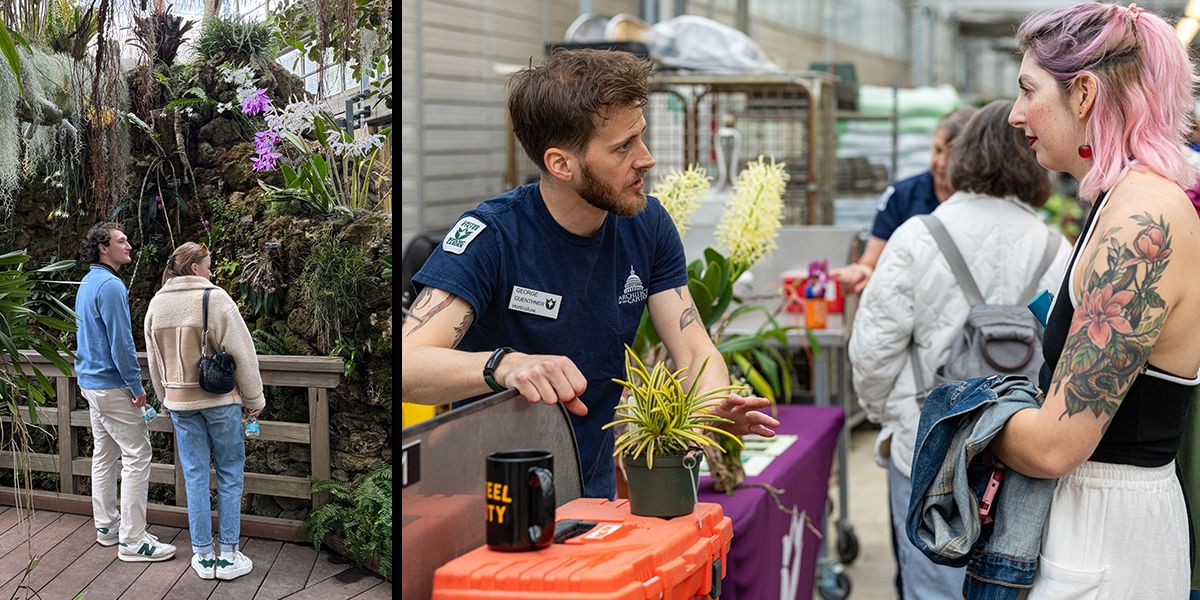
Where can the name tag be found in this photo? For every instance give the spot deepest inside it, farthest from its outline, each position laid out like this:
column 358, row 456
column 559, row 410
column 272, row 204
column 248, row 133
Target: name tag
column 531, row 301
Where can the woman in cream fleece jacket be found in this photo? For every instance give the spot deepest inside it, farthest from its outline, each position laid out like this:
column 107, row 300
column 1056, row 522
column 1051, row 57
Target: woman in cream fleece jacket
column 204, row 421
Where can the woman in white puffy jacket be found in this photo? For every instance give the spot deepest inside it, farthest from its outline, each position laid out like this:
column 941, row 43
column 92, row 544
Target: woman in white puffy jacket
column 913, row 298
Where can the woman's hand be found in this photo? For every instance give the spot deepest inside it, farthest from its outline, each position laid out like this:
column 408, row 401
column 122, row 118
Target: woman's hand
column 254, row 413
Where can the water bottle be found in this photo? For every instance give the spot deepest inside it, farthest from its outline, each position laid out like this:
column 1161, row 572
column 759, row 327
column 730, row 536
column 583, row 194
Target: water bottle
column 148, row 413
column 251, row 427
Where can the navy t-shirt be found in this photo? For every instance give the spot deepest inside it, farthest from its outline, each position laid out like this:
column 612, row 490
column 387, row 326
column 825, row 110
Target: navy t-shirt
column 903, row 200
column 541, row 289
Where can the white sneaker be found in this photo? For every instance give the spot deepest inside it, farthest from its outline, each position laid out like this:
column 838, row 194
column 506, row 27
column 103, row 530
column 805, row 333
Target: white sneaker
column 205, row 565
column 108, row 536
column 232, row 567
column 149, row 549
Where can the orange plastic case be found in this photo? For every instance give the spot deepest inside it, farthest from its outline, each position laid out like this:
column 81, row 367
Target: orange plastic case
column 623, row 557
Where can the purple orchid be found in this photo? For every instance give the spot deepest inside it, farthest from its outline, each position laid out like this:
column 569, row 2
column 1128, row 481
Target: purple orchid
column 256, row 102
column 266, row 161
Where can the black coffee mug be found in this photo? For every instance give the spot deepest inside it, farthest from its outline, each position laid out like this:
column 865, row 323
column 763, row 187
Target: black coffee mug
column 519, row 492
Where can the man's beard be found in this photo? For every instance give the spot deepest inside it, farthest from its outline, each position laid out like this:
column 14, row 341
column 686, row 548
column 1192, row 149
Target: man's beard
column 607, row 198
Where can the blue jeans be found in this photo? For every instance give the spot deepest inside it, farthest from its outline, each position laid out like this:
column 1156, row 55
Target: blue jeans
column 922, row 578
column 196, row 431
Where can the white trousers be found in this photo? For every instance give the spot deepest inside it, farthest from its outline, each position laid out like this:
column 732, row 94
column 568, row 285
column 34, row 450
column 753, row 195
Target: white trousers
column 1115, row 531
column 120, row 432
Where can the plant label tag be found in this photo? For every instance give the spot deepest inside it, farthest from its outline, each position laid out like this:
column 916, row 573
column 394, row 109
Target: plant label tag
column 531, row 301
column 461, row 234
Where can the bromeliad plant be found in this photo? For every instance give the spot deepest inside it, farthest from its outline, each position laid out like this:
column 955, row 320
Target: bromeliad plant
column 662, row 418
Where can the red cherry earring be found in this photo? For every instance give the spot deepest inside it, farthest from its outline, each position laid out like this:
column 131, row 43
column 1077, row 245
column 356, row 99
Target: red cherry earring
column 1085, row 151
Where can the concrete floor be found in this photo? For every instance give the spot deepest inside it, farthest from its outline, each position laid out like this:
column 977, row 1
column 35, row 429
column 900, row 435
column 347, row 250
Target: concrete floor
column 871, row 574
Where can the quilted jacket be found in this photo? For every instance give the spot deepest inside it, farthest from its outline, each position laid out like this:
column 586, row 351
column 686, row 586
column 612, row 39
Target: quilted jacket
column 913, row 298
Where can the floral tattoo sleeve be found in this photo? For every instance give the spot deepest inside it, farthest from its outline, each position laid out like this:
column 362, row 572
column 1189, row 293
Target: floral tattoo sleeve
column 1120, row 316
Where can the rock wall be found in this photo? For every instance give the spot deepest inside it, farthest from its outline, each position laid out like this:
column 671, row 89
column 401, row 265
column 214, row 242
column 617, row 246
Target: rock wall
column 240, row 223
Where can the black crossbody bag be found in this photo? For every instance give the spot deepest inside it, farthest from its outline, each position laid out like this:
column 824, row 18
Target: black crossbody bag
column 217, row 372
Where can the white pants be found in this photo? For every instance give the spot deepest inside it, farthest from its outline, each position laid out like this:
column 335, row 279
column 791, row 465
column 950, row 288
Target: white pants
column 120, row 432
column 1115, row 531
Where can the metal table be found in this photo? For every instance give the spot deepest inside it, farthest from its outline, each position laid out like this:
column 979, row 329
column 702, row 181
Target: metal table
column 832, row 582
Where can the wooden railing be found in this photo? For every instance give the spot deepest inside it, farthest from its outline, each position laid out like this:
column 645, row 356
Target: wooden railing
column 317, row 373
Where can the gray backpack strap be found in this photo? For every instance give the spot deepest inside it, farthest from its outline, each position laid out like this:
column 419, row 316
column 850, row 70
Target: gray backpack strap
column 954, row 257
column 918, row 378
column 1052, row 243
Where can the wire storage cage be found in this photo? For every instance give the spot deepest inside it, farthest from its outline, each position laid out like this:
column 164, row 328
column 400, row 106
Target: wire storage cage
column 723, row 122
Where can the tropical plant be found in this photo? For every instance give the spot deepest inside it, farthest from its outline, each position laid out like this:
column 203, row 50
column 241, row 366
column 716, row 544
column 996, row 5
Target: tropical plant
column 261, row 285
column 336, row 172
column 662, row 418
column 25, row 324
column 234, row 39
column 334, row 284
column 69, row 28
column 347, row 350
column 159, row 34
column 360, row 514
column 354, row 33
column 386, row 275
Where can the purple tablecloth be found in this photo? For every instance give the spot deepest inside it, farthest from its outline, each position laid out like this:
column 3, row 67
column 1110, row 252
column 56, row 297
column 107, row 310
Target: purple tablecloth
column 756, row 566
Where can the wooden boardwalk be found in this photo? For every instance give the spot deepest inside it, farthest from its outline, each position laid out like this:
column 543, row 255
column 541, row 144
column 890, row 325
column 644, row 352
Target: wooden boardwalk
column 72, row 562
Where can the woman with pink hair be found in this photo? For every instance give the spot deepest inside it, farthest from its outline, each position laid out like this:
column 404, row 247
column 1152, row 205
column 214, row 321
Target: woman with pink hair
column 1105, row 95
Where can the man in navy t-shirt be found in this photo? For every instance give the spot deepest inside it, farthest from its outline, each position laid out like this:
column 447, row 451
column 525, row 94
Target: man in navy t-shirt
column 907, row 198
column 541, row 287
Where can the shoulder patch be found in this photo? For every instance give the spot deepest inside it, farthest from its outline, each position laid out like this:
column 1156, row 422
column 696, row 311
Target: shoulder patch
column 461, row 234
column 883, row 200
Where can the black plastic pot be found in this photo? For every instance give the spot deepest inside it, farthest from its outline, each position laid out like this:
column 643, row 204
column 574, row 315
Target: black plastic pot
column 667, row 490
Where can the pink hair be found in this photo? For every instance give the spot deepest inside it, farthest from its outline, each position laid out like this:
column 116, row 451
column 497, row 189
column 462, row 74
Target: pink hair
column 1144, row 86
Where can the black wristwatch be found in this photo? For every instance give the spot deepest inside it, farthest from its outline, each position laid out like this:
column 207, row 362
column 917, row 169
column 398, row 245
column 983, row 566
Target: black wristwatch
column 490, row 367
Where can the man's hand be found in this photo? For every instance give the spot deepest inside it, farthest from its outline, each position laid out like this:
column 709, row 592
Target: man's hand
column 745, row 416
column 139, row 400
column 853, row 277
column 544, row 378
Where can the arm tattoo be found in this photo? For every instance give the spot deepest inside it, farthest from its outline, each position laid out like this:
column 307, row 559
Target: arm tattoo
column 422, row 298
column 461, row 328
column 1120, row 316
column 423, row 319
column 689, row 315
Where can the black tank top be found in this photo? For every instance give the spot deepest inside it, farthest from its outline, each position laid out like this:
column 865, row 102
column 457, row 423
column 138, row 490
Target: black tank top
column 1149, row 424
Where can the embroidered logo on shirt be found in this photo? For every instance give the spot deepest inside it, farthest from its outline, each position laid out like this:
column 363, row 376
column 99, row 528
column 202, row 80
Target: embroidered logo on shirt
column 532, row 301
column 461, row 234
column 634, row 292
column 883, row 200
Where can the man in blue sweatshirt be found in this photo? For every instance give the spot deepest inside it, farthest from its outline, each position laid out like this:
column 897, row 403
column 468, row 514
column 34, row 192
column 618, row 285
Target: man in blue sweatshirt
column 110, row 379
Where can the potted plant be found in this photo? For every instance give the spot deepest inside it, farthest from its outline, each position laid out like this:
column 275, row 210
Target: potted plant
column 666, row 428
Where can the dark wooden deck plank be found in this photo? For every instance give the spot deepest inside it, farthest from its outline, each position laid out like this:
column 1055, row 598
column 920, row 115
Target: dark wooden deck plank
column 383, row 591
column 120, row 575
column 188, row 584
column 289, row 573
column 154, row 583
column 94, row 561
column 327, row 565
column 346, row 584
column 56, row 560
column 14, row 536
column 263, row 553
column 13, row 565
